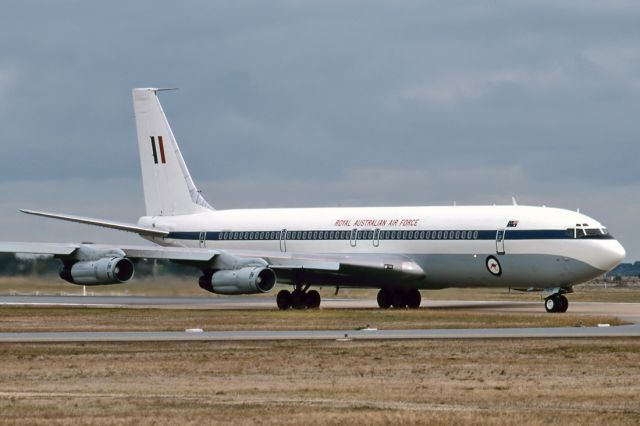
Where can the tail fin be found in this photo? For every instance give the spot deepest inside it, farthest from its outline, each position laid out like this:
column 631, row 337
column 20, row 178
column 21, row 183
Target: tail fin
column 168, row 187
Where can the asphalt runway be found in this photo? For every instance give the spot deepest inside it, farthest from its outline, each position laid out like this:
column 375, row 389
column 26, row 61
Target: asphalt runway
column 341, row 335
column 627, row 311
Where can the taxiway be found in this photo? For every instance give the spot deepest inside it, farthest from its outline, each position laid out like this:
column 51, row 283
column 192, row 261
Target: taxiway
column 627, row 311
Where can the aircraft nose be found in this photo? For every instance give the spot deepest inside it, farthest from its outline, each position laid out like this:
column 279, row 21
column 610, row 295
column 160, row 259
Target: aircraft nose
column 613, row 254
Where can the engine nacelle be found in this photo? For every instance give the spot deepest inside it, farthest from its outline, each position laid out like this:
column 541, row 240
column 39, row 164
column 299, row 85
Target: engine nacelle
column 248, row 280
column 108, row 270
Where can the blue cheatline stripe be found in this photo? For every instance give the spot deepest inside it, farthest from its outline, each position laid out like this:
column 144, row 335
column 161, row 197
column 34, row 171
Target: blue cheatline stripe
column 322, row 235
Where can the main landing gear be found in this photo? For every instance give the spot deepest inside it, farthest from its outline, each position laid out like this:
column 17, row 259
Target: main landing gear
column 556, row 303
column 298, row 299
column 399, row 298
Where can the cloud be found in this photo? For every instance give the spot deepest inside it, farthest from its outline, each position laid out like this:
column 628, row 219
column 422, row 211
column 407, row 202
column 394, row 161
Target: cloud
column 324, row 103
column 8, row 81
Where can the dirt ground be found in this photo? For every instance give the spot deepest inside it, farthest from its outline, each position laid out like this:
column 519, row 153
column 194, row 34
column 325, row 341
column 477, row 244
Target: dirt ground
column 579, row 381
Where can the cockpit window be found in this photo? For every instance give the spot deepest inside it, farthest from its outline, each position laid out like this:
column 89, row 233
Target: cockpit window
column 590, row 233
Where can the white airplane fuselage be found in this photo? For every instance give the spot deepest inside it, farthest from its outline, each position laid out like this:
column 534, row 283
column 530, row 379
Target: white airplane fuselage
column 454, row 246
column 398, row 250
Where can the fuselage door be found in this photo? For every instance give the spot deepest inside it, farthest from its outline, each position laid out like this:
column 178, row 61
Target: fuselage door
column 354, row 237
column 500, row 241
column 376, row 237
column 203, row 239
column 283, row 240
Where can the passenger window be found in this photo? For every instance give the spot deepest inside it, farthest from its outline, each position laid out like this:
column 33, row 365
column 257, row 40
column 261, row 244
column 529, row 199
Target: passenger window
column 439, row 235
column 475, row 235
column 457, row 235
column 315, row 235
column 445, row 235
column 427, row 235
column 463, row 235
column 422, row 235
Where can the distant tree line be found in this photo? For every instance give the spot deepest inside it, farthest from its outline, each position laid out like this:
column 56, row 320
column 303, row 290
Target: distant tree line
column 16, row 266
column 625, row 270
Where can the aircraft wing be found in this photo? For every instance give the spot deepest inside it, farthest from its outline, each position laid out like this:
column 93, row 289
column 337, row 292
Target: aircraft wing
column 319, row 269
column 63, row 250
column 358, row 270
column 57, row 249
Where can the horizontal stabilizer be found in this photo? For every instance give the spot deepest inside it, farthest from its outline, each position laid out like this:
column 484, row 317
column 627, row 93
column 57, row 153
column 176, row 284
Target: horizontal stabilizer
column 127, row 227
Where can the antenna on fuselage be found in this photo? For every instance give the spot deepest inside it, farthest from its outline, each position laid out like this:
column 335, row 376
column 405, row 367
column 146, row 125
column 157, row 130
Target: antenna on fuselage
column 513, row 200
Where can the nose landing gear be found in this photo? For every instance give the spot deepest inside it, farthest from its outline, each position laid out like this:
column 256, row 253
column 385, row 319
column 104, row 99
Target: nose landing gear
column 556, row 303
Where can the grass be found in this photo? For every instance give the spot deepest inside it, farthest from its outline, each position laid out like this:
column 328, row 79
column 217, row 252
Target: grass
column 22, row 319
column 580, row 381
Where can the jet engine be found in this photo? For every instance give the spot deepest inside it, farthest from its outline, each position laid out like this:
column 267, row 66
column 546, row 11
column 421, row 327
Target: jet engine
column 108, row 270
column 248, row 280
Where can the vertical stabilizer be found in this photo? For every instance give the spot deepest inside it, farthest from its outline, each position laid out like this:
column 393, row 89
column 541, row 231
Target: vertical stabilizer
column 168, row 187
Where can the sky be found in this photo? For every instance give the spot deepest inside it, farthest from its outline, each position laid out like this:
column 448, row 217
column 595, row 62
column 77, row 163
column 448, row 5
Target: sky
column 322, row 103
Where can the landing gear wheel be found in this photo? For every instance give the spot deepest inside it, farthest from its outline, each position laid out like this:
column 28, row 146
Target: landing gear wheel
column 413, row 299
column 564, row 304
column 297, row 299
column 312, row 299
column 556, row 303
column 283, row 299
column 384, row 298
column 399, row 299
column 551, row 304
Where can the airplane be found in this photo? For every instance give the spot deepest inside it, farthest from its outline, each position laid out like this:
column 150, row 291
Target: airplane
column 398, row 250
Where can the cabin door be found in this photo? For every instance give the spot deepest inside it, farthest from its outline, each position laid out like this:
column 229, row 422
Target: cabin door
column 203, row 239
column 500, row 241
column 354, row 237
column 283, row 240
